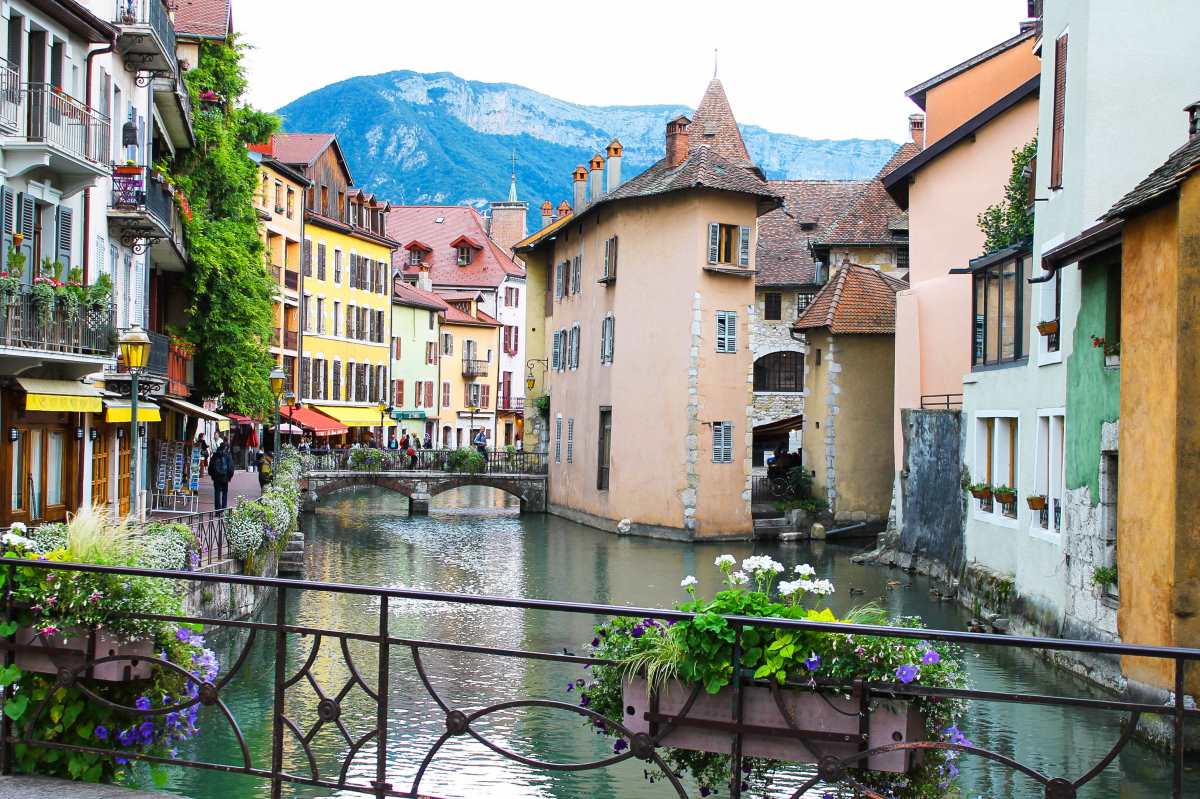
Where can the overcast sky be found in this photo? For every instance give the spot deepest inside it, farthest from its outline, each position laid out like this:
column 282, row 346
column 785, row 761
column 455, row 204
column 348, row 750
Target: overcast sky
column 813, row 68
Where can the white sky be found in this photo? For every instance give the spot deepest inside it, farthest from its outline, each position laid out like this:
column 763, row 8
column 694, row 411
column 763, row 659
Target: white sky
column 817, row 68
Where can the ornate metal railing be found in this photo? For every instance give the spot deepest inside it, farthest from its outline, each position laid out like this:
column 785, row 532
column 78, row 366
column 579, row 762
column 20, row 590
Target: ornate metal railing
column 361, row 765
column 430, row 460
column 135, row 189
column 472, row 367
column 507, row 402
column 10, row 96
column 152, row 13
column 24, row 324
column 55, row 118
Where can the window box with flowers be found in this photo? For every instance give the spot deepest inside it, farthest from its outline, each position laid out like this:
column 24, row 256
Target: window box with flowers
column 980, row 490
column 802, row 690
column 1048, row 327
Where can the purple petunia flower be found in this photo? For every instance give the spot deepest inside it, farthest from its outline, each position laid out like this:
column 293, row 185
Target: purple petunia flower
column 183, row 634
column 570, row 685
column 584, row 700
column 125, row 738
column 638, row 631
column 142, row 703
column 704, row 791
column 146, row 730
column 931, row 658
column 907, row 673
column 620, row 746
column 121, row 761
column 596, row 641
column 813, row 663
column 101, row 732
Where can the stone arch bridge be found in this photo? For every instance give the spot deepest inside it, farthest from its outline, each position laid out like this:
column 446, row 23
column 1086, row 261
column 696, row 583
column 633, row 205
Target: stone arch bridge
column 421, row 486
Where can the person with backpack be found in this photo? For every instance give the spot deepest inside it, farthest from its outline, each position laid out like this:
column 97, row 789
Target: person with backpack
column 265, row 472
column 220, row 469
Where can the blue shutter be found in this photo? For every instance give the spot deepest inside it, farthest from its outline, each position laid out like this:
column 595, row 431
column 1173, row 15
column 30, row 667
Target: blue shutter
column 743, row 246
column 8, row 218
column 714, row 242
column 64, row 223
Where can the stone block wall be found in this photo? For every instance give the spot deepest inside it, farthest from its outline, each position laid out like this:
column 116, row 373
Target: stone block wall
column 226, row 600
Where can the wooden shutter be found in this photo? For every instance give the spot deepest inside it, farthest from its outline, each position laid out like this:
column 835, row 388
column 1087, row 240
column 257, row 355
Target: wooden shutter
column 485, row 393
column 721, row 334
column 1060, row 108
column 743, row 246
column 554, row 352
column 428, row 393
column 558, row 439
column 400, row 393
column 612, row 337
column 8, row 218
column 613, row 270
column 571, row 440
column 353, row 271
column 607, row 255
column 577, row 274
column 604, row 340
column 516, row 339
column 714, row 242
column 64, row 219
column 306, row 258
column 445, row 395
column 26, row 216
column 730, row 331
column 139, row 291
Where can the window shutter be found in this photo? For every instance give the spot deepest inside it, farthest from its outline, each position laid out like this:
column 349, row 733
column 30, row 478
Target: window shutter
column 613, row 272
column 516, row 339
column 571, row 440
column 743, row 246
column 721, row 338
column 64, row 223
column 607, row 252
column 486, row 394
column 353, row 270
column 8, row 217
column 26, row 214
column 604, row 339
column 1060, row 108
column 716, row 441
column 714, row 242
column 558, row 282
column 400, row 393
column 139, row 292
column 428, row 393
column 577, row 274
column 306, row 257
column 554, row 352
column 612, row 337
column 558, row 440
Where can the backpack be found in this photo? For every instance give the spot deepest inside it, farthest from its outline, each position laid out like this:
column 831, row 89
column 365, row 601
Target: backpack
column 219, row 470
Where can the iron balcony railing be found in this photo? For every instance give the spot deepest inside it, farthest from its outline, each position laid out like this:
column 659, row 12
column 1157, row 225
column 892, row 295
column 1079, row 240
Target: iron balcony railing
column 54, row 118
column 29, row 325
column 948, row 402
column 135, row 189
column 472, row 367
column 429, row 460
column 10, row 97
column 152, row 14
column 507, row 402
column 375, row 656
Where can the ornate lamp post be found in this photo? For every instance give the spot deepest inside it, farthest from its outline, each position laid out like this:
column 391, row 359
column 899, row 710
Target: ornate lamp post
column 277, row 377
column 384, row 409
column 134, row 346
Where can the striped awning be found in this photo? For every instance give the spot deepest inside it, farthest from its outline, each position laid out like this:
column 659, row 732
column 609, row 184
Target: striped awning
column 121, row 410
column 60, row 395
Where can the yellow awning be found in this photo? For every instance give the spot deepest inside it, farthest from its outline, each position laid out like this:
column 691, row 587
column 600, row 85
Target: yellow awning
column 355, row 415
column 223, row 425
column 119, row 410
column 60, row 395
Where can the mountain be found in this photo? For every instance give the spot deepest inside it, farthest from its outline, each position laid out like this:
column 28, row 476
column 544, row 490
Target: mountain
column 439, row 139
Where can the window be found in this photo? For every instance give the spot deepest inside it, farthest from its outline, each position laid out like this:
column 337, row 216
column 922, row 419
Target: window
column 558, row 439
column 321, row 261
column 398, row 394
column 996, row 461
column 560, row 280
column 803, row 299
column 571, row 440
column 306, row 314
column 722, row 443
column 337, row 267
column 1059, row 111
column 320, row 315
column 445, row 394
column 610, row 260
column 474, row 395
column 607, row 334
column 604, row 458
column 278, row 197
column 779, row 371
column 337, row 381
column 728, row 244
column 337, row 318
column 447, row 344
column 414, row 256
column 291, row 202
column 1112, row 314
column 577, row 274
column 556, row 351
column 464, row 255
column 1048, row 471
column 772, row 306
column 726, row 331
column 573, row 348
column 999, row 332
column 431, row 352
column 1052, row 309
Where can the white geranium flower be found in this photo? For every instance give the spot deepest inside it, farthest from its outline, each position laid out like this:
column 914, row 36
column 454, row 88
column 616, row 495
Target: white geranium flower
column 804, row 570
column 688, row 582
column 739, row 578
column 725, row 560
column 787, row 589
column 19, row 528
column 823, row 587
column 13, row 539
column 761, row 564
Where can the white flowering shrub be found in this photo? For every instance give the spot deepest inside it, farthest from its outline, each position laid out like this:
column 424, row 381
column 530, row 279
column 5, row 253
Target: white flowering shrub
column 50, row 537
column 165, row 546
column 244, row 530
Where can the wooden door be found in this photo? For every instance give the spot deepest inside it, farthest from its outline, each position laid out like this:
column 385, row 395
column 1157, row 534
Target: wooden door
column 124, row 462
column 100, row 467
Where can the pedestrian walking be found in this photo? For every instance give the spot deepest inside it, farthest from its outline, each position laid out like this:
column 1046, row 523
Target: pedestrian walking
column 266, row 471
column 203, row 445
column 220, row 469
column 480, row 443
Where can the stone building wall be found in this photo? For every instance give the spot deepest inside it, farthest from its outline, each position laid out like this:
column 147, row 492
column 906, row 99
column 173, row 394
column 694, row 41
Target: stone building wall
column 1089, row 536
column 767, row 336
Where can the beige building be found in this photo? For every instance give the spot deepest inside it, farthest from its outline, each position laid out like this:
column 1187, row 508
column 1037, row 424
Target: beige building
column 649, row 285
column 850, row 327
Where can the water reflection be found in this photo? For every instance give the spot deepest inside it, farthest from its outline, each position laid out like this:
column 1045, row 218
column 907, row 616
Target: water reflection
column 474, row 542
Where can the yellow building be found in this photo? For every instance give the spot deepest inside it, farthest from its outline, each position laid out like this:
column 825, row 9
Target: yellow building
column 470, row 347
column 344, row 289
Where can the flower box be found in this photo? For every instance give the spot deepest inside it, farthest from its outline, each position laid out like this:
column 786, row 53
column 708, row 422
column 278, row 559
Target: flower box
column 128, row 170
column 1036, row 501
column 766, row 733
column 68, row 649
column 1048, row 327
column 1005, row 497
column 981, row 493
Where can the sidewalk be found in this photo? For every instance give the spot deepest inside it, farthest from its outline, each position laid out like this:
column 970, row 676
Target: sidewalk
column 45, row 788
column 244, row 484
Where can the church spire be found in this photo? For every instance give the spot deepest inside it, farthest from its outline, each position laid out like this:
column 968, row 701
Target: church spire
column 512, row 186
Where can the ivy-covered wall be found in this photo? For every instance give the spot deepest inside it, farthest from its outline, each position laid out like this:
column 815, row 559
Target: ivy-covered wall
column 1093, row 389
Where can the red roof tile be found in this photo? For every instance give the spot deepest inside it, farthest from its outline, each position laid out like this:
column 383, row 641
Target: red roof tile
column 713, row 125
column 856, row 300
column 872, row 216
column 488, row 267
column 404, row 294
column 809, row 208
column 205, row 18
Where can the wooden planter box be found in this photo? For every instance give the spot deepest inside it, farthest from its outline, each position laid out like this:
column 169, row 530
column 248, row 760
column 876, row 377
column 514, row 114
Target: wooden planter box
column 1006, row 497
column 981, row 493
column 1036, row 502
column 69, row 650
column 1046, row 328
column 709, row 725
column 128, row 170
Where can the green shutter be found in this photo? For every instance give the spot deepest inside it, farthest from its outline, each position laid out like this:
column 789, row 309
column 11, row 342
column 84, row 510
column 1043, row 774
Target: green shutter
column 743, row 246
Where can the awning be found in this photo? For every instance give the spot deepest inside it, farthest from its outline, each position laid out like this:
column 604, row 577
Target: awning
column 290, row 430
column 194, row 410
column 408, row 415
column 60, row 395
column 316, row 423
column 237, row 418
column 355, row 415
column 120, row 410
column 780, row 426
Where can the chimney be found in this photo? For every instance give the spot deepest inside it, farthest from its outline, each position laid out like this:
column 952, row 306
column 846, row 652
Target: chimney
column 596, row 182
column 1193, row 112
column 547, row 213
column 564, row 209
column 580, row 177
column 424, row 282
column 677, row 140
column 614, row 164
column 916, row 129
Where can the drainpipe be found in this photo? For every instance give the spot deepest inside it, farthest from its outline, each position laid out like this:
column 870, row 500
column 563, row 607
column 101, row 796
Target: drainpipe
column 87, row 193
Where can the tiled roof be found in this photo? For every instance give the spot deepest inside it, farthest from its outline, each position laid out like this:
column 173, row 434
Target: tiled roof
column 207, row 18
column 299, row 148
column 856, row 300
column 1162, row 180
column 405, row 294
column 489, row 266
column 873, row 214
column 917, row 93
column 454, row 316
column 809, row 208
column 713, row 125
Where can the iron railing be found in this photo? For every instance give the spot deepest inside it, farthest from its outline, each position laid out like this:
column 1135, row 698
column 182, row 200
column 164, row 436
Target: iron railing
column 25, row 324
column 290, row 759
column 431, row 460
column 151, row 13
column 507, row 402
column 54, row 118
column 139, row 191
column 948, row 402
column 10, row 97
column 472, row 367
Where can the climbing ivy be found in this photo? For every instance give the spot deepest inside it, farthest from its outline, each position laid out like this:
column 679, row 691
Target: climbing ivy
column 1010, row 220
column 231, row 314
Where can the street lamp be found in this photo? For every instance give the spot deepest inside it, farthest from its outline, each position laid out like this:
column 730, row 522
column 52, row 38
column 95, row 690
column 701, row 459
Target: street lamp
column 134, row 346
column 277, row 377
column 384, row 409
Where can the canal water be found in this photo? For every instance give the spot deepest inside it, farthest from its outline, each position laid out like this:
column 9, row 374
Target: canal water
column 475, row 542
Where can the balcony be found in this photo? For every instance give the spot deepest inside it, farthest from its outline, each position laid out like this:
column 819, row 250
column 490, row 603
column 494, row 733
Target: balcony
column 146, row 36
column 54, row 131
column 28, row 334
column 474, row 368
column 174, row 106
column 10, row 98
column 143, row 209
column 180, row 370
column 509, row 404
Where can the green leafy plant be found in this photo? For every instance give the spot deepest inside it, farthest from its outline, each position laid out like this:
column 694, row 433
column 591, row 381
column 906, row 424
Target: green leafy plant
column 365, row 459
column 15, row 262
column 1104, row 576
column 980, row 490
column 1010, row 220
column 468, row 461
column 542, row 404
column 1004, row 493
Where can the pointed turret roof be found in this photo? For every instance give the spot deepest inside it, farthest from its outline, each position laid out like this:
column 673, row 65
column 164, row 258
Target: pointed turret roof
column 713, row 125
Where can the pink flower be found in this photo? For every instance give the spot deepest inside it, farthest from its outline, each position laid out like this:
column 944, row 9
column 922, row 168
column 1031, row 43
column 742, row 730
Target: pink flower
column 49, row 629
column 51, row 601
column 94, row 597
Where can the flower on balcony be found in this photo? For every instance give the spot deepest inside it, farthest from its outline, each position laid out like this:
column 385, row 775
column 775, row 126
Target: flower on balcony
column 184, row 207
column 211, row 97
column 182, row 346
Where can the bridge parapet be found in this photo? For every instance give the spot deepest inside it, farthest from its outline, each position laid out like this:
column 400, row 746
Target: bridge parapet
column 421, row 486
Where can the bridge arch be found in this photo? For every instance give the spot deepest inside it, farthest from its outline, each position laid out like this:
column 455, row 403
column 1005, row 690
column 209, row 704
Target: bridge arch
column 420, row 487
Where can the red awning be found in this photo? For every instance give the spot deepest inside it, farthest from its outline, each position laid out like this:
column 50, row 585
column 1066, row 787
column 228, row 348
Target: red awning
column 237, row 418
column 313, row 421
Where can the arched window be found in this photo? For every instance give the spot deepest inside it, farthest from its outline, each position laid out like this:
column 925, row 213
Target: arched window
column 779, row 371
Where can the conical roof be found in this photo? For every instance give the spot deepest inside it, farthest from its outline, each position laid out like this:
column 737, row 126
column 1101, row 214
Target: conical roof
column 713, row 125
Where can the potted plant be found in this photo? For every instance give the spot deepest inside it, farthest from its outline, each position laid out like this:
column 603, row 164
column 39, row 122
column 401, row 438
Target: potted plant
column 792, row 682
column 1105, row 576
column 980, row 490
column 128, row 168
column 99, row 295
column 1048, row 327
column 1036, row 501
column 1004, row 494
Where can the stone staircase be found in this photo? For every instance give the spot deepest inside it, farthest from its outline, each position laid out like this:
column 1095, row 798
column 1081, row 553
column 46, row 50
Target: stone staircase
column 291, row 561
column 771, row 527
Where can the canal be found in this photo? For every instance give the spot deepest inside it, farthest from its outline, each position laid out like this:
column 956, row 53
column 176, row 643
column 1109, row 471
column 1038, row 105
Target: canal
column 474, row 542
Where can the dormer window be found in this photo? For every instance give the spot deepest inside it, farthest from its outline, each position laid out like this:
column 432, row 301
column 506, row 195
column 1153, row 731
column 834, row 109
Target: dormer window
column 414, row 257
column 464, row 248
column 464, row 254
